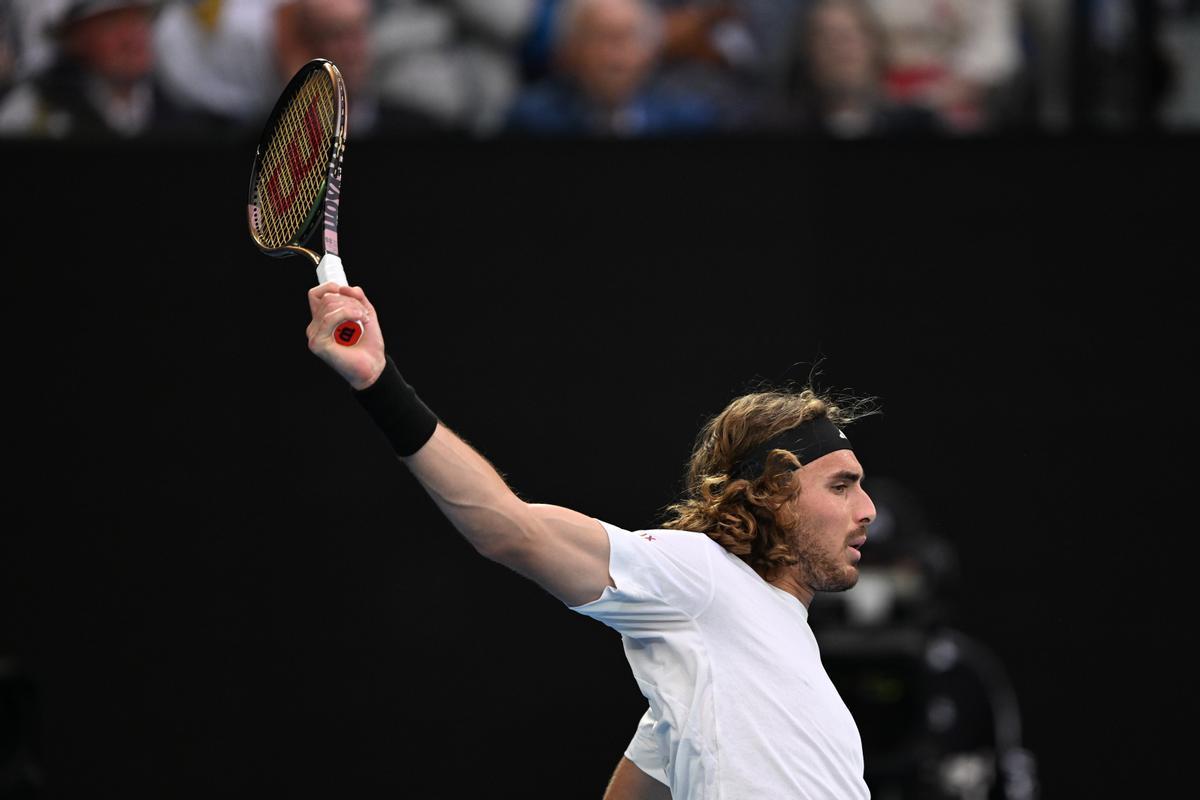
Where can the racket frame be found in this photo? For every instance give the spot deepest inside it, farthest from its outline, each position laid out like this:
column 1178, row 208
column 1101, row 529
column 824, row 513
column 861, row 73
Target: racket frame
column 328, row 197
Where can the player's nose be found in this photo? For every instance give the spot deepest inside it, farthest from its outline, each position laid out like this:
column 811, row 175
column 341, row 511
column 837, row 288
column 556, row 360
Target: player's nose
column 865, row 512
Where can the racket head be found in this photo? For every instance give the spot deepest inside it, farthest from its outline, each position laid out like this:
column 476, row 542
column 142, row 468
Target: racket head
column 300, row 148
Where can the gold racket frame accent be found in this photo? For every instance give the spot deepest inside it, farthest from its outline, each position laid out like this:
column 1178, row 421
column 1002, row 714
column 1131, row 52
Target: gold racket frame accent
column 288, row 123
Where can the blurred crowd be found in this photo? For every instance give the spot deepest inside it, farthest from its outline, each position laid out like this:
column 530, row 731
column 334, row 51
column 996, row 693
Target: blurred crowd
column 605, row 68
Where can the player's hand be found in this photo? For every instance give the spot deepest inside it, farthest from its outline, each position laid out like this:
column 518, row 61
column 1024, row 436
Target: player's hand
column 331, row 305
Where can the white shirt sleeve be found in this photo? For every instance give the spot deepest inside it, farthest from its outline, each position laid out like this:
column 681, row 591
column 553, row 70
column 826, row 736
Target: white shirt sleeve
column 662, row 578
column 643, row 750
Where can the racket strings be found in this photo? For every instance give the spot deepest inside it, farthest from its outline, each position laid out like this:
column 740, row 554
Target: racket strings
column 294, row 162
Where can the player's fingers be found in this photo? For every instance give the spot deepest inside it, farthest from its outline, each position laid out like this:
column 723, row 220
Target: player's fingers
column 337, row 316
column 333, row 301
column 317, row 292
column 325, row 306
column 354, row 291
column 358, row 294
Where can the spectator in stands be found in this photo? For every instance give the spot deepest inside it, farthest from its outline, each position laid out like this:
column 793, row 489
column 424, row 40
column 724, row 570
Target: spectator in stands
column 340, row 30
column 457, row 61
column 101, row 84
column 836, row 76
column 602, row 83
column 220, row 56
column 733, row 52
column 958, row 58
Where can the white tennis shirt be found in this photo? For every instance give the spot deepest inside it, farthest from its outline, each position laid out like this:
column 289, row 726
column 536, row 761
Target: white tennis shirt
column 741, row 707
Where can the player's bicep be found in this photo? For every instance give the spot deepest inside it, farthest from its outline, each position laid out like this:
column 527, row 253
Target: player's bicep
column 565, row 552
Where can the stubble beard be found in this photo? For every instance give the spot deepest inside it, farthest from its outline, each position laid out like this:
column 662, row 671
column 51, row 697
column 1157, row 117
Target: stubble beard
column 820, row 569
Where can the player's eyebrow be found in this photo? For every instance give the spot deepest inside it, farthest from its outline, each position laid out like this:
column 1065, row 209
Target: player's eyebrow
column 845, row 475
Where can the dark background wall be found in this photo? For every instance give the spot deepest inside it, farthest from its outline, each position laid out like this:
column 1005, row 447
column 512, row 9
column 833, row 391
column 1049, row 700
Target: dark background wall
column 220, row 583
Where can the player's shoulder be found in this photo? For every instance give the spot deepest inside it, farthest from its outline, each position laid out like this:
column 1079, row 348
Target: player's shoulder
column 683, row 546
column 664, row 537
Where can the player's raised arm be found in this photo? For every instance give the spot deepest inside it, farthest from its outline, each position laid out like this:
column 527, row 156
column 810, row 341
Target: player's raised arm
column 563, row 551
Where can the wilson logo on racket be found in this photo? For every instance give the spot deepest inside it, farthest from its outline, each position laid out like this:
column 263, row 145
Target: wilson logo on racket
column 348, row 333
column 298, row 166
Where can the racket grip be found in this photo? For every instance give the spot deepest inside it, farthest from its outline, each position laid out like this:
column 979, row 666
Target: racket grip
column 330, row 269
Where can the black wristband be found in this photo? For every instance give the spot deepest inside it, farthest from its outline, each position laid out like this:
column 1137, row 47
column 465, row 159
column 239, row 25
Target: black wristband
column 399, row 413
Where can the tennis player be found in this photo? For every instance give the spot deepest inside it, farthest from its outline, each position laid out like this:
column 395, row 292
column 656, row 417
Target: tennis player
column 712, row 608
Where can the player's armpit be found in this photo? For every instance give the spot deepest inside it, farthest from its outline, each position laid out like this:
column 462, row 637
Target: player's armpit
column 630, row 783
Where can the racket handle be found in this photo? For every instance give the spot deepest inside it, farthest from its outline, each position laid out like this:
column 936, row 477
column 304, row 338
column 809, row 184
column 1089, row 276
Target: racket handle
column 330, row 269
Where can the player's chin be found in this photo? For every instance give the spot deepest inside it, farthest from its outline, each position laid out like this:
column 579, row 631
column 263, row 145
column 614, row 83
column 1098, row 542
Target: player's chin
column 841, row 583
column 839, row 580
column 848, row 577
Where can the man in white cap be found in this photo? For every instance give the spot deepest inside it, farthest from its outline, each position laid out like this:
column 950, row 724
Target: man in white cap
column 101, row 84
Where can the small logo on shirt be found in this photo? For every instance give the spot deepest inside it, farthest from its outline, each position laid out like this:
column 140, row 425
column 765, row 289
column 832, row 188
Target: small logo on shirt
column 648, row 537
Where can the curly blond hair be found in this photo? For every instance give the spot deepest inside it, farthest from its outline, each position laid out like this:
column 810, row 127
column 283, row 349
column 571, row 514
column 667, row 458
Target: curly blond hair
column 752, row 517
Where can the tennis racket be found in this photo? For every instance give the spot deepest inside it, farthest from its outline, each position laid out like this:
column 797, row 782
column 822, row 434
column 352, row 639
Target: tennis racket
column 296, row 180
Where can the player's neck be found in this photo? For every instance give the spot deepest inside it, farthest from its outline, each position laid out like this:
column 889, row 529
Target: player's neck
column 789, row 581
